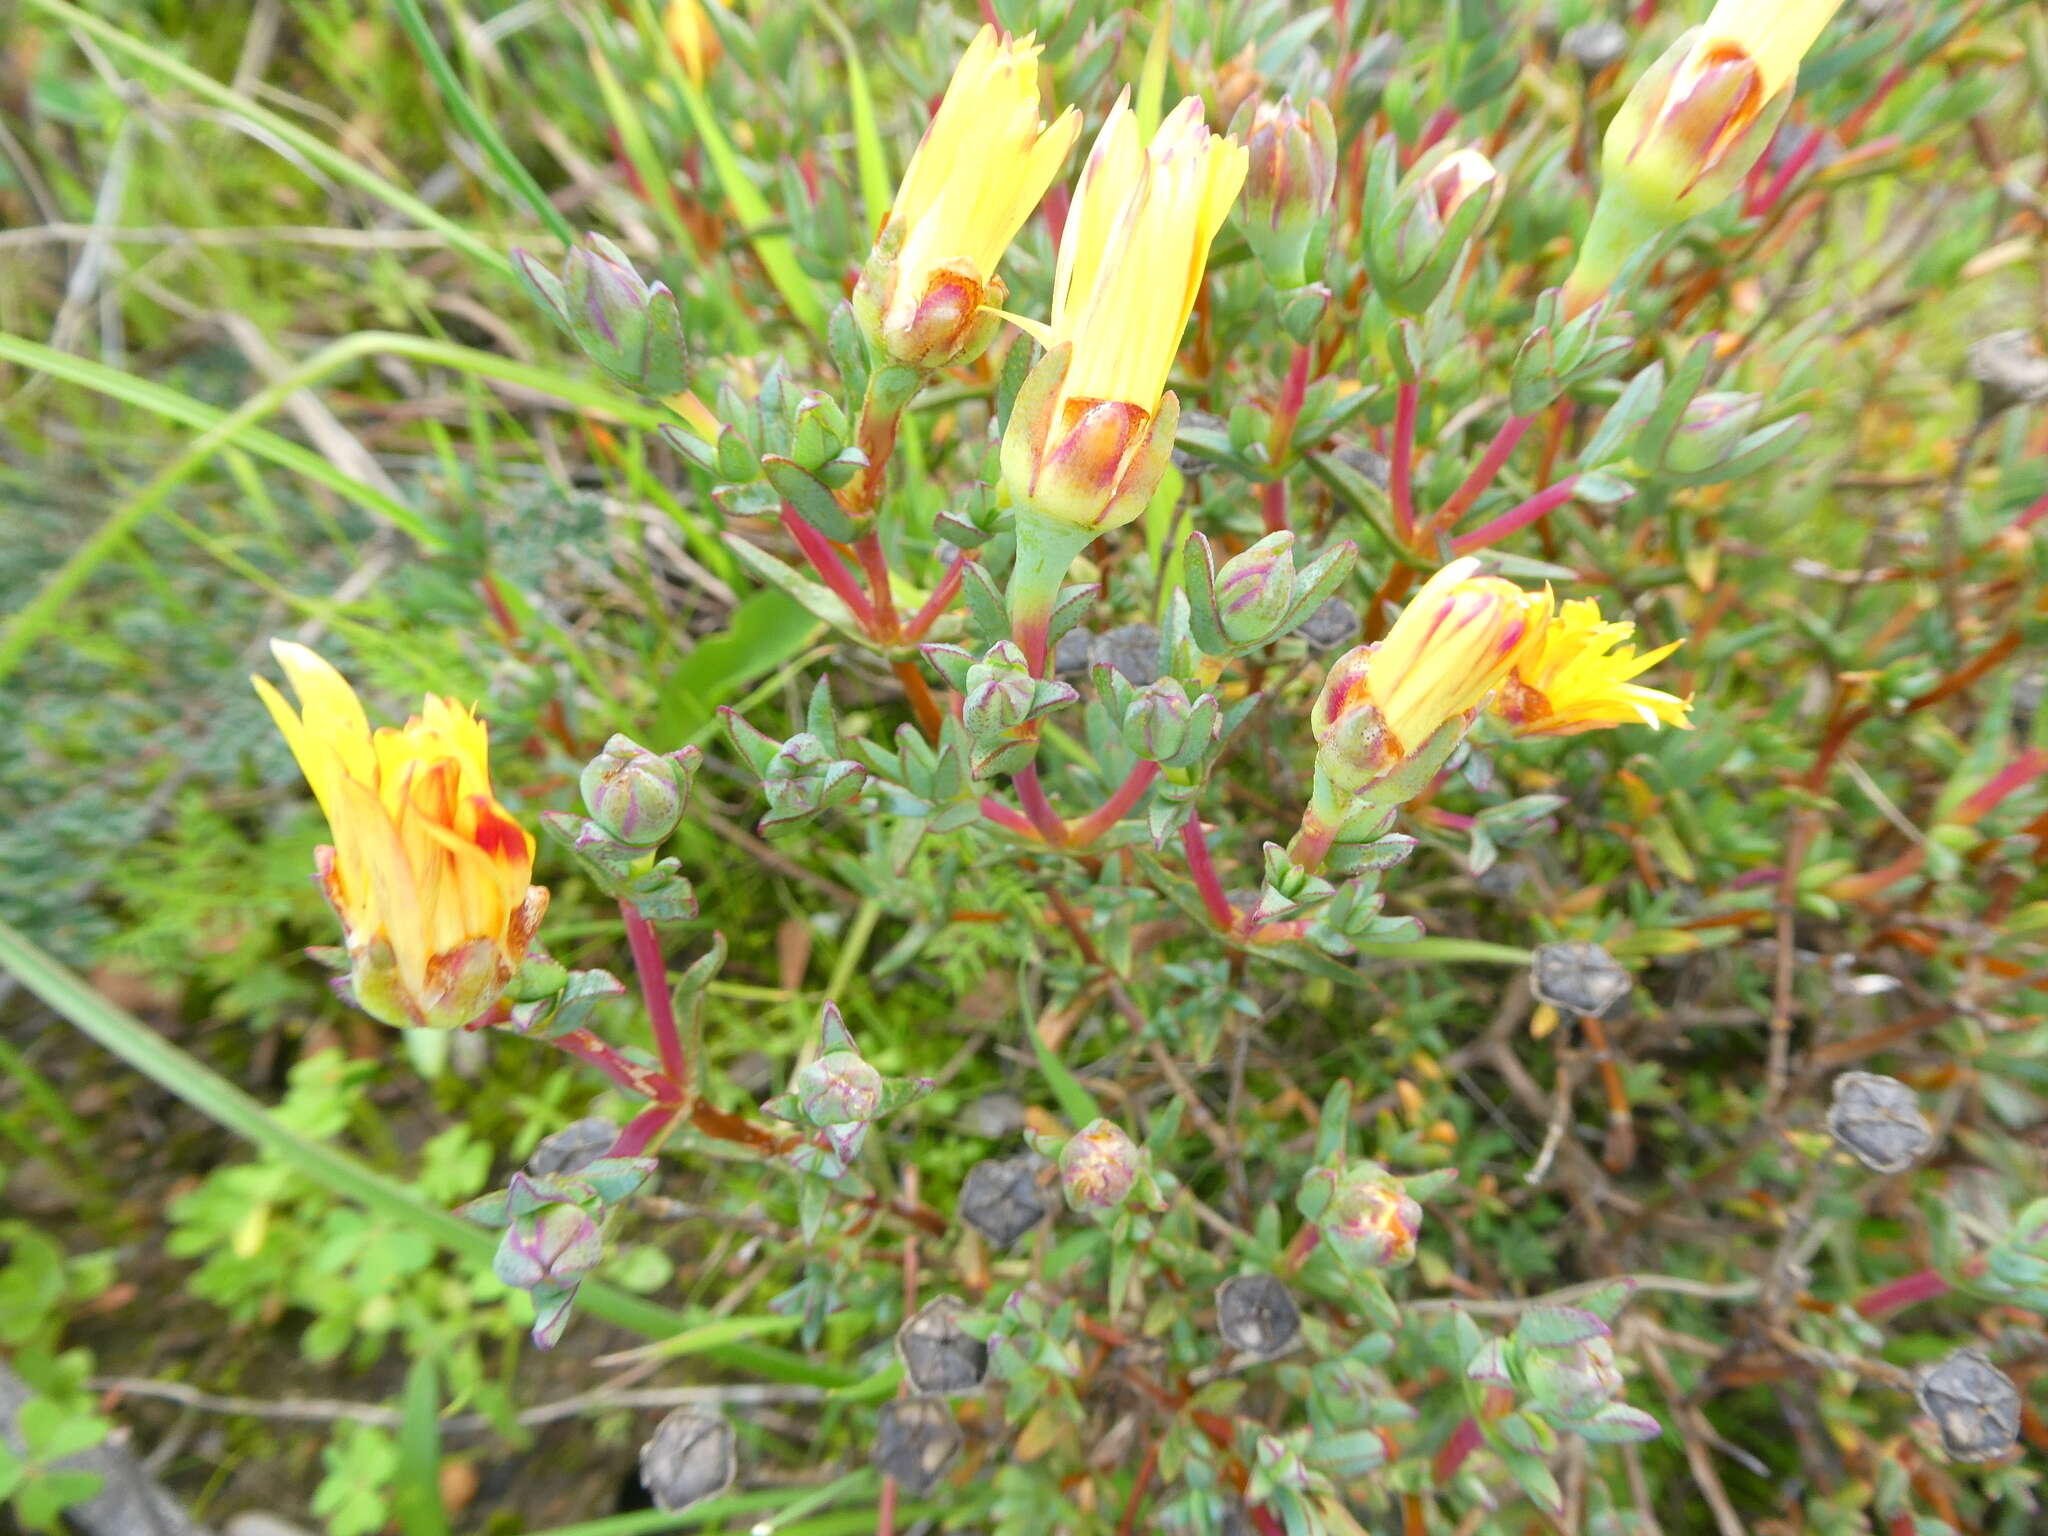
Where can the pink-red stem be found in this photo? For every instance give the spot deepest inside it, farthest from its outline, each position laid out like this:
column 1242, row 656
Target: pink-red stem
column 940, row 600
column 1901, row 1294
column 1514, row 520
column 1006, row 818
column 1115, row 808
column 1465, row 1439
column 661, row 1007
column 641, row 1082
column 1031, row 795
column 1401, row 466
column 644, row 1129
column 1497, row 454
column 1196, row 845
column 830, row 568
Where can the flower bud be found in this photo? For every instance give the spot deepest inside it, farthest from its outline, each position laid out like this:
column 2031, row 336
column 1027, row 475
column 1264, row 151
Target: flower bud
column 556, row 1246
column 1372, row 1221
column 1571, row 1381
column 1710, row 429
column 839, row 1088
column 998, row 697
column 635, row 795
column 1156, row 726
column 1445, row 654
column 1254, row 590
column 1098, row 1166
column 628, row 327
column 1454, row 180
column 1290, row 179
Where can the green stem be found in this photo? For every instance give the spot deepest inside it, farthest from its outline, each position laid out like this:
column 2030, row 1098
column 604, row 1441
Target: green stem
column 1046, row 548
column 1621, row 227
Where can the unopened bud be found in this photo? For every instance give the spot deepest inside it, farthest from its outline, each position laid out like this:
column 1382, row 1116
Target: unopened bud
column 839, row 1088
column 635, row 795
column 630, row 328
column 555, row 1246
column 1974, row 1405
column 1255, row 589
column 1455, row 180
column 1099, row 1166
column 1710, row 429
column 1156, row 727
column 1372, row 1222
column 1878, row 1120
column 1572, row 1381
column 998, row 697
column 1290, row 179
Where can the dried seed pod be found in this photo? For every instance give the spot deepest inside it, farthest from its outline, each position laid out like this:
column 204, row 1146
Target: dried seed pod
column 1001, row 1200
column 1578, row 978
column 2009, row 371
column 690, row 1456
column 939, row 1356
column 574, row 1147
column 1973, row 1404
column 915, row 1440
column 1878, row 1119
column 1257, row 1314
column 1595, row 45
column 1333, row 625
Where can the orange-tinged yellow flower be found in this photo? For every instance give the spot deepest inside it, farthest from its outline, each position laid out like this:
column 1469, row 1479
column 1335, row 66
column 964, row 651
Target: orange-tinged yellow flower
column 1574, row 675
column 1449, row 649
column 984, row 163
column 690, row 32
column 1776, row 34
column 1091, row 428
column 428, row 873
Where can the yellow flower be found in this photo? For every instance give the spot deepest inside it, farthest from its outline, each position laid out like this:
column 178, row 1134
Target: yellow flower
column 428, row 872
column 1449, row 649
column 1574, row 675
column 1775, row 34
column 694, row 38
column 984, row 162
column 1092, row 427
column 1691, row 128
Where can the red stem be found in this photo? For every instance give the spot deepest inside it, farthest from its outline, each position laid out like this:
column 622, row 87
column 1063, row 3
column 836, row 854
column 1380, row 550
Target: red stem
column 1497, row 454
column 661, row 1007
column 1795, row 162
column 641, row 1082
column 1196, row 845
column 1401, row 468
column 1465, row 1439
column 830, row 568
column 940, row 600
column 868, row 550
column 1534, row 509
column 1009, row 820
column 644, row 1129
column 1901, row 1294
column 1273, row 504
column 2032, row 515
column 1031, row 795
column 1113, row 810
